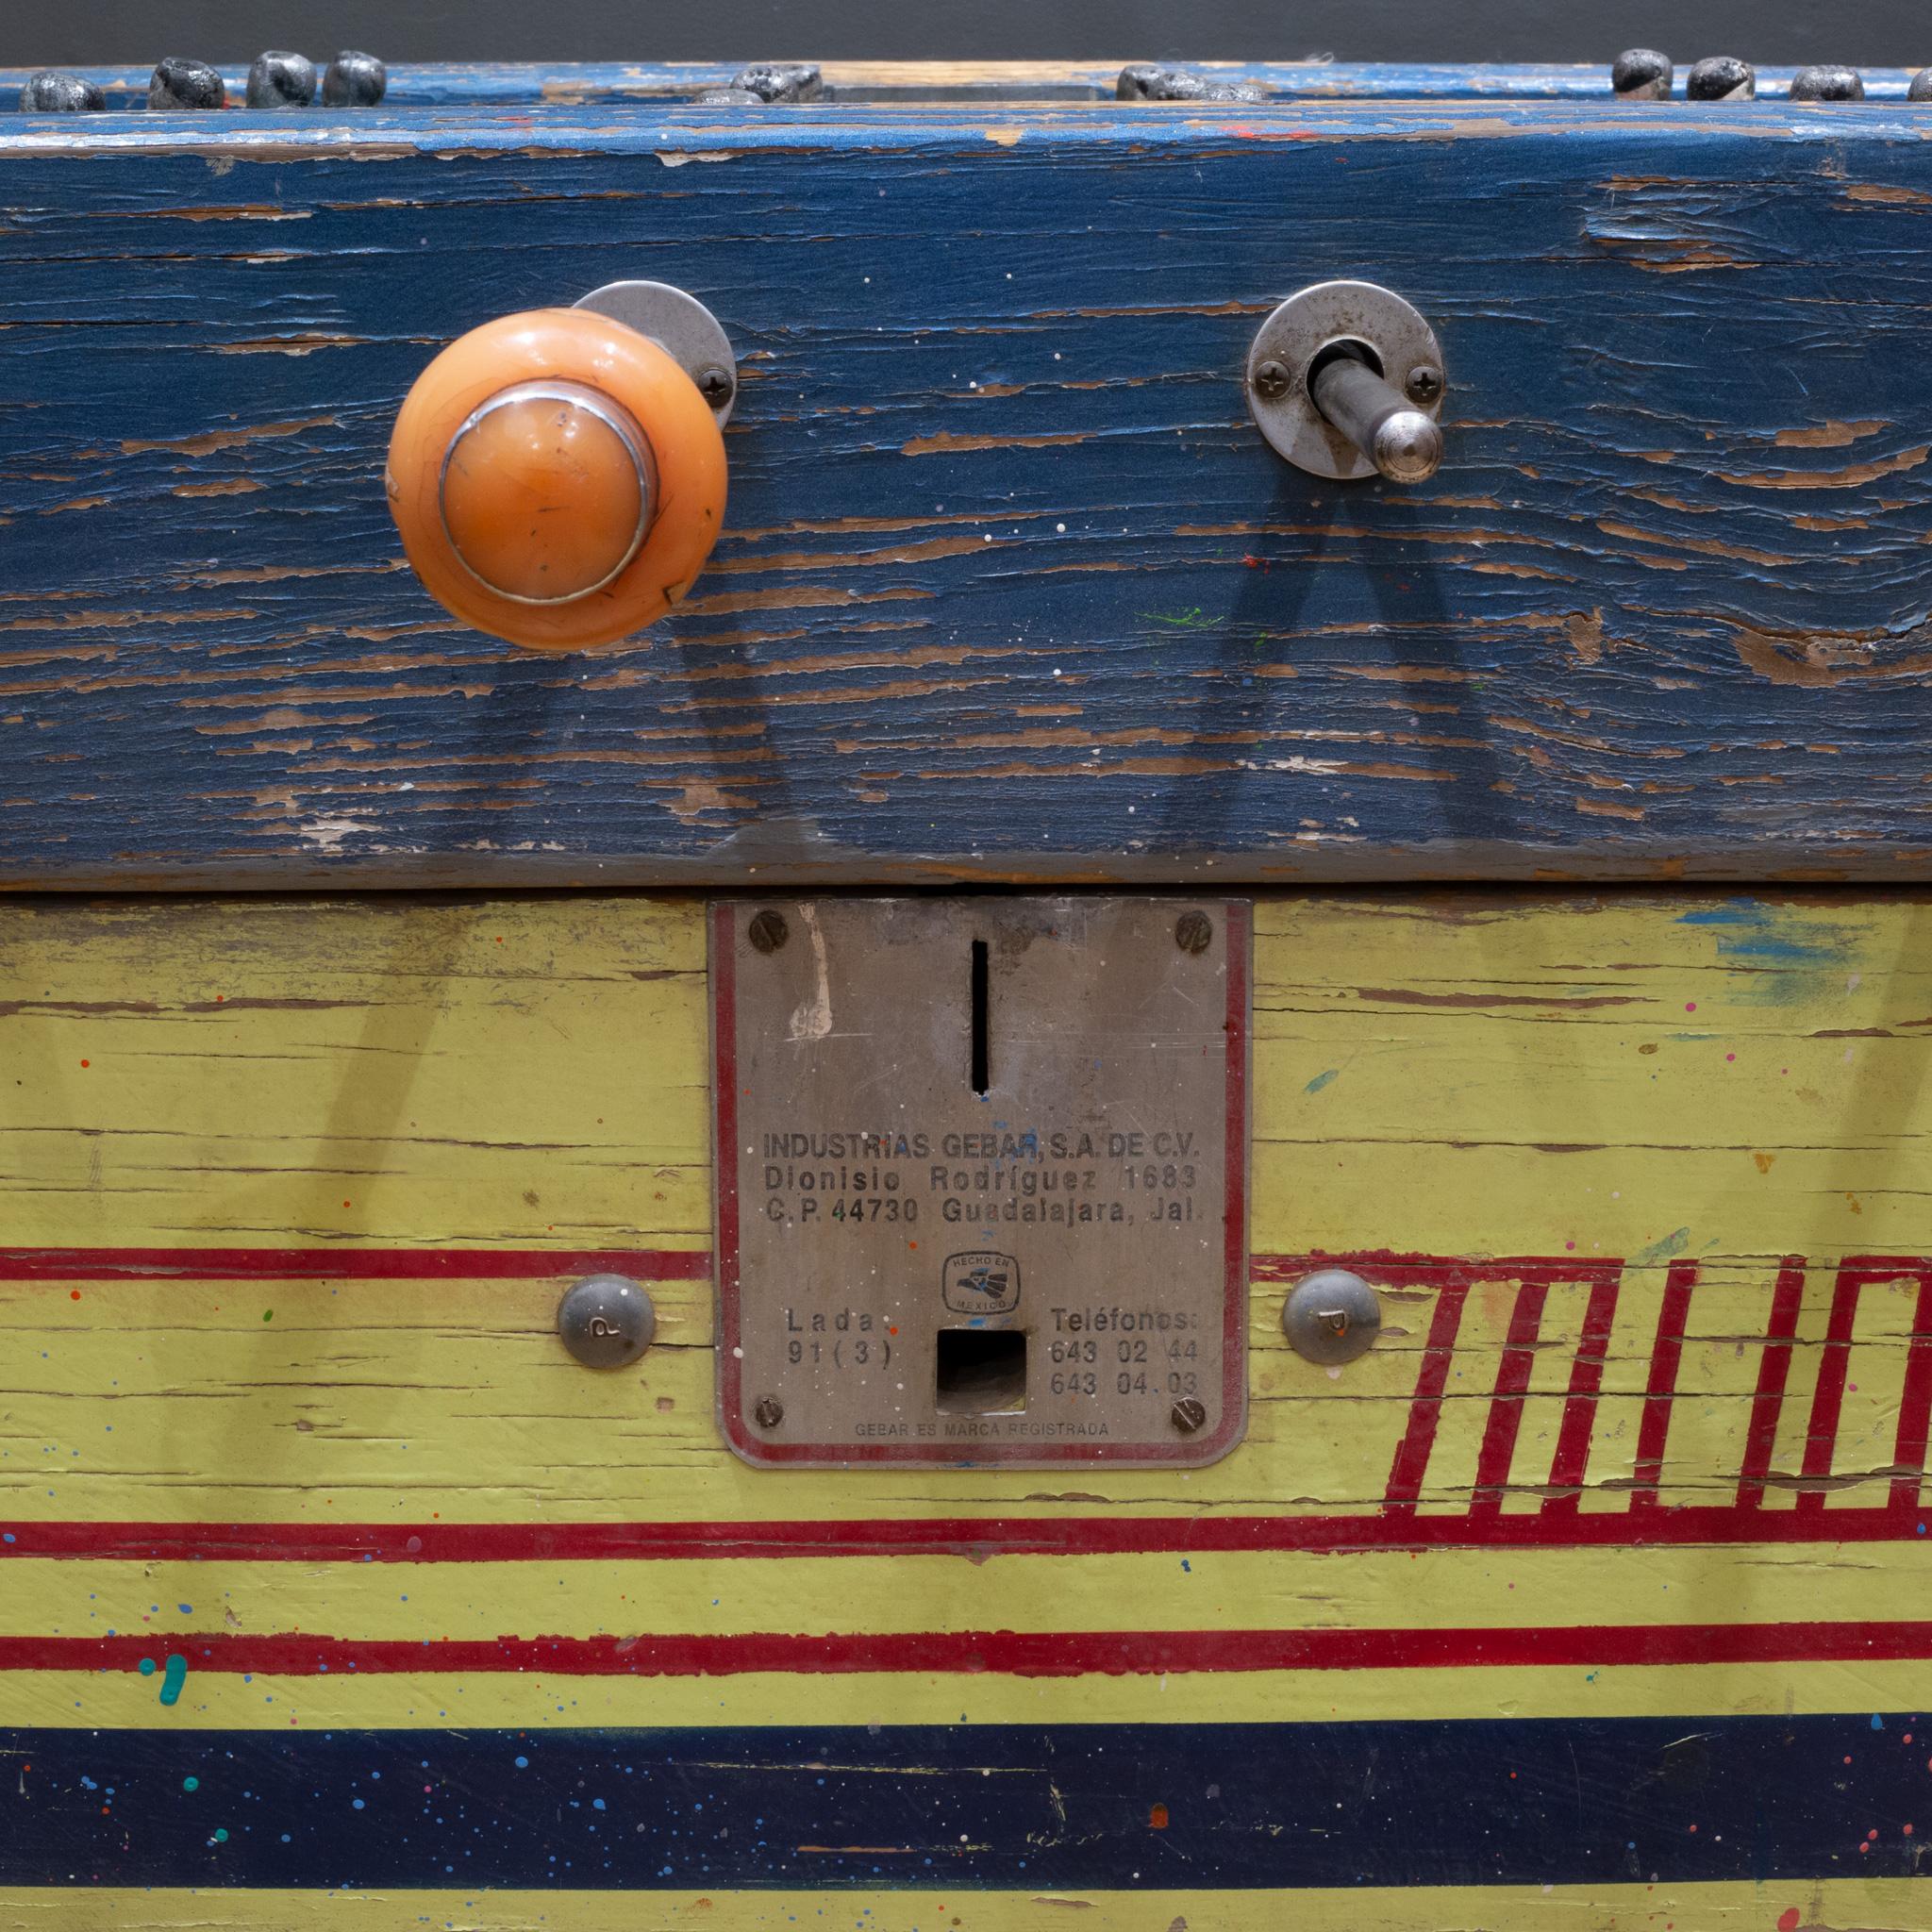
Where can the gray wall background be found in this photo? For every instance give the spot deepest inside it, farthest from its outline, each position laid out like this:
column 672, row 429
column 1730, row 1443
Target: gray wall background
column 1869, row 33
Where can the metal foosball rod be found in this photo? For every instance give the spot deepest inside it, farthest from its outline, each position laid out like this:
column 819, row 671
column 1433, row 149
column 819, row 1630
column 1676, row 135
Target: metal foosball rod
column 1404, row 442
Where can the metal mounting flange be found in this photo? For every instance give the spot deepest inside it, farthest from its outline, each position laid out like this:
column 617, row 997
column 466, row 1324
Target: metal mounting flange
column 1303, row 336
column 682, row 326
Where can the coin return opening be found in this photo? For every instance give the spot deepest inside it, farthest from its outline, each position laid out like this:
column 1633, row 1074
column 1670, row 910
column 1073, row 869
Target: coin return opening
column 982, row 1370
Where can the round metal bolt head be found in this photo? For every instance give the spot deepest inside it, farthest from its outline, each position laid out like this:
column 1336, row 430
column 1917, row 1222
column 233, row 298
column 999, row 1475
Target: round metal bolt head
column 607, row 1321
column 781, row 80
column 48, row 92
column 1921, row 88
column 1151, row 81
column 767, row 931
column 1424, row 383
column 715, row 385
column 1187, row 1415
column 1828, row 84
column 1331, row 1317
column 281, row 80
column 769, row 1413
column 1193, row 932
column 1271, row 380
column 1723, row 77
column 1643, row 74
column 180, row 83
column 354, row 80
column 1407, row 447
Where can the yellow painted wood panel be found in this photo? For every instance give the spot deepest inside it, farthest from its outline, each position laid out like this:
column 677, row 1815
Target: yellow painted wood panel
column 1641, row 1111
column 1465, row 1076
column 1871, row 1905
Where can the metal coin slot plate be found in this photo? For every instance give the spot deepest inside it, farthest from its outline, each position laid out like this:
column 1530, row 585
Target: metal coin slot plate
column 1092, row 1198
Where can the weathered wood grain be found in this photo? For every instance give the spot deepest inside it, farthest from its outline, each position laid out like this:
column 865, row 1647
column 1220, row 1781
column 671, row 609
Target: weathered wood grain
column 1011, row 587
column 290, row 1187
column 1875, row 1903
column 1640, row 1090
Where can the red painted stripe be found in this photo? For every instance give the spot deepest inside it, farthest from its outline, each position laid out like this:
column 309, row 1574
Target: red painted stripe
column 1505, row 1404
column 1425, row 1407
column 347, row 1264
column 1915, row 1401
column 1570, row 1463
column 1666, row 1355
column 1026, row 1653
column 1774, row 1372
column 974, row 1538
column 1827, row 1400
column 1389, row 1268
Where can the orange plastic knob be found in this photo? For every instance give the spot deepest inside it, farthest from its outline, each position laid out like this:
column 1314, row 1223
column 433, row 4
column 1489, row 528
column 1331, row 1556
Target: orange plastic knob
column 557, row 479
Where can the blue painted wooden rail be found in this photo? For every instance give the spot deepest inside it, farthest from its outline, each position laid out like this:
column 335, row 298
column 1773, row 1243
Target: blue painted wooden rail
column 513, row 84
column 1011, row 587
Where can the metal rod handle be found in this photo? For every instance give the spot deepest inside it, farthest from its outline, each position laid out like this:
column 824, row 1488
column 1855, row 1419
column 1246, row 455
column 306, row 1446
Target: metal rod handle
column 1401, row 441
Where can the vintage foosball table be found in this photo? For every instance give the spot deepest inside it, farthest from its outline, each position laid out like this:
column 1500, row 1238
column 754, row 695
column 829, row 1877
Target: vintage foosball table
column 982, row 999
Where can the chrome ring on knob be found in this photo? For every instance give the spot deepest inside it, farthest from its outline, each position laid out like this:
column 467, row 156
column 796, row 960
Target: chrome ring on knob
column 572, row 396
column 1345, row 380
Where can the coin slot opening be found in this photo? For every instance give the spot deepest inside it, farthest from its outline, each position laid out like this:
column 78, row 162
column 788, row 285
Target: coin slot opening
column 982, row 1370
column 981, row 1078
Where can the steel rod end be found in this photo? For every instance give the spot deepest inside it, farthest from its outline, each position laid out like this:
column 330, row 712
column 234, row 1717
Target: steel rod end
column 1407, row 446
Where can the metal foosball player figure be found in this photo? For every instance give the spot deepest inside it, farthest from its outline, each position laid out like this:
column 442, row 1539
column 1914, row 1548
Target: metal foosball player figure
column 963, row 997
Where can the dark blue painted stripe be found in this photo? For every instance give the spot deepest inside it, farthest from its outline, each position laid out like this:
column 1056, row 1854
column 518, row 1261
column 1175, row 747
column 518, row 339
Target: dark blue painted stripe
column 1672, row 1800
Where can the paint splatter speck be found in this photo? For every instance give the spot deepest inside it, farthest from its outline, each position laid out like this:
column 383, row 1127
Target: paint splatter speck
column 1157, row 1818
column 1690, row 1006
column 522, row 1764
column 174, row 1677
column 191, row 1783
column 74, row 1294
column 147, row 1667
column 1788, row 1920
column 1877, row 1722
column 221, row 1834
